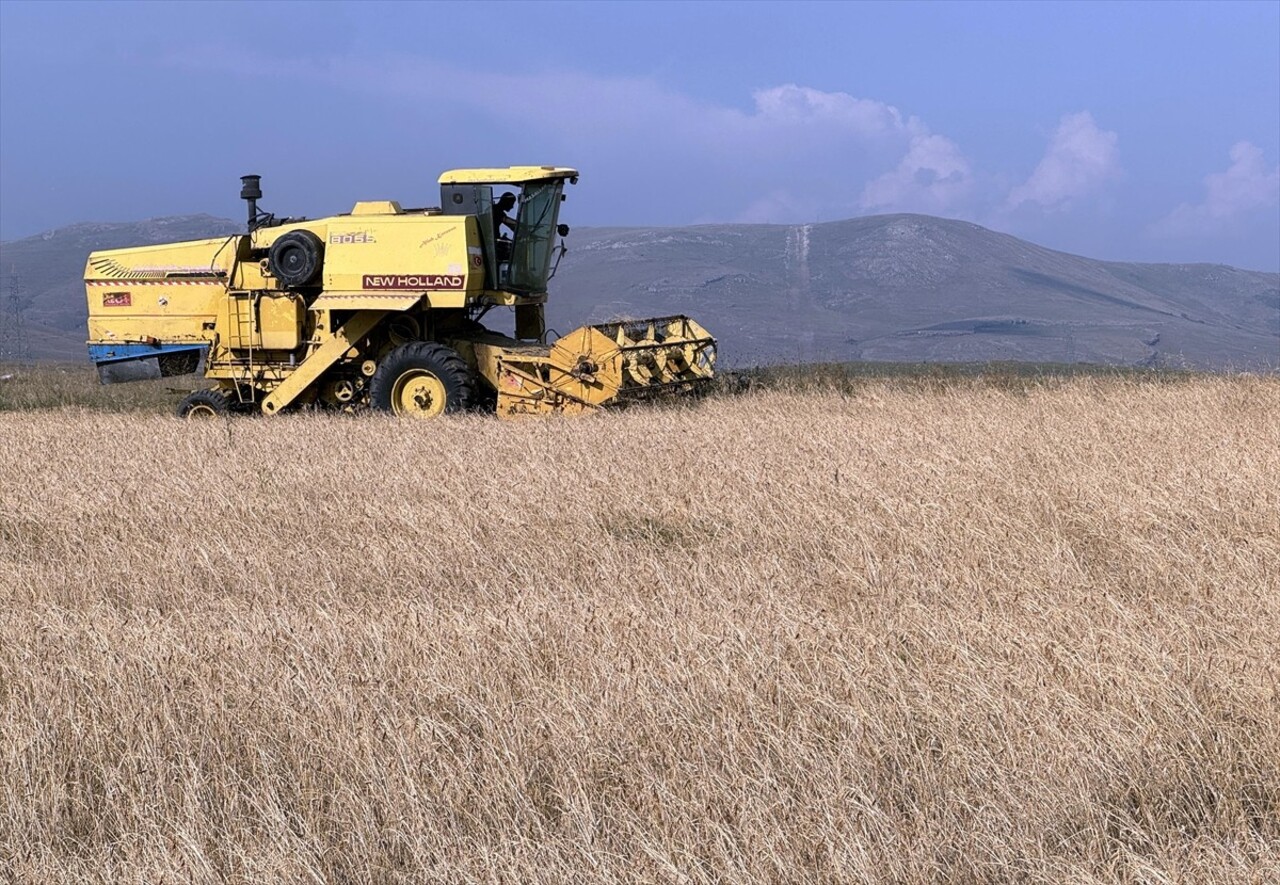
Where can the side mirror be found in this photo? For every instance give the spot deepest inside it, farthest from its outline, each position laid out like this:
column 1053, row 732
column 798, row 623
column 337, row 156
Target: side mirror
column 562, row 230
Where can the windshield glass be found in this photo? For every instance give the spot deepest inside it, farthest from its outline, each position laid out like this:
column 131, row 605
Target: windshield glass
column 535, row 233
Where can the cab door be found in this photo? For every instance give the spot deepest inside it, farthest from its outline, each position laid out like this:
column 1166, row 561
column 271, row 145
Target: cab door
column 477, row 200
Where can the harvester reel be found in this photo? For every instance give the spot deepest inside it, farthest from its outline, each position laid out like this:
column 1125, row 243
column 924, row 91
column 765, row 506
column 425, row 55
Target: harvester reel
column 295, row 258
column 203, row 404
column 422, row 379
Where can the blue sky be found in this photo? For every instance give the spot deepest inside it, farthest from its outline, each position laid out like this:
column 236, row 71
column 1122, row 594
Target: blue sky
column 1135, row 131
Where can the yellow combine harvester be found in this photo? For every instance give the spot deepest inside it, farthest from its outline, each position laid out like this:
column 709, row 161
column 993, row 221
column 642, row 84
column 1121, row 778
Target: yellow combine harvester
column 380, row 307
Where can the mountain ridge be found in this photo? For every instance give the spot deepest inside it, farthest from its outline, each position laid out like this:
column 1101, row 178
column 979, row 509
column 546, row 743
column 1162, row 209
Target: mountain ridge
column 901, row 287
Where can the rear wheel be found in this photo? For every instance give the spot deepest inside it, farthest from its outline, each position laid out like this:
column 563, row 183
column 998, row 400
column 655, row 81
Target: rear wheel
column 422, row 379
column 203, row 404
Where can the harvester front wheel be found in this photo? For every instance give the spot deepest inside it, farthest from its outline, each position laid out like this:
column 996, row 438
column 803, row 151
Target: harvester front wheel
column 422, row 379
column 203, row 404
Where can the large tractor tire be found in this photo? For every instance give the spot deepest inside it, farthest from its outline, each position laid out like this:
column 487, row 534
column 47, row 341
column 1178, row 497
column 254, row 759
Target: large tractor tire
column 204, row 404
column 422, row 379
column 295, row 258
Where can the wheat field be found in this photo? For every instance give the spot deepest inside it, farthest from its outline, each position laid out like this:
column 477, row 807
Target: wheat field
column 893, row 633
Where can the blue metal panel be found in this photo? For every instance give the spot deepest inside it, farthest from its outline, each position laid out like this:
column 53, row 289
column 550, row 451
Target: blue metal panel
column 114, row 353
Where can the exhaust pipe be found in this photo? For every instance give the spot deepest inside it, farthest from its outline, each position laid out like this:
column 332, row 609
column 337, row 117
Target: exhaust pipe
column 251, row 190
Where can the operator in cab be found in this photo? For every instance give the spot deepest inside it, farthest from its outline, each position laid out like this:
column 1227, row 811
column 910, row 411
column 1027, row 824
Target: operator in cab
column 504, row 204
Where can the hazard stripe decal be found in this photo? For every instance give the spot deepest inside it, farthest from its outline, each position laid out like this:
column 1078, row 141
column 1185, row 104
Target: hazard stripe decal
column 127, row 283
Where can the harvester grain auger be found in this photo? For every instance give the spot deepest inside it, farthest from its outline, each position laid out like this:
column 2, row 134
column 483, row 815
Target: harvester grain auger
column 381, row 307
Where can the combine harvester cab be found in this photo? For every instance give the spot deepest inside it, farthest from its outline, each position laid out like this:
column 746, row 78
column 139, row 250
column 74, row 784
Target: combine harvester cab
column 381, row 307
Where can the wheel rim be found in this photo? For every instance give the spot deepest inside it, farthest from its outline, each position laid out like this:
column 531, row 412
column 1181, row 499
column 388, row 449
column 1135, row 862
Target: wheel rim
column 202, row 411
column 419, row 394
column 292, row 260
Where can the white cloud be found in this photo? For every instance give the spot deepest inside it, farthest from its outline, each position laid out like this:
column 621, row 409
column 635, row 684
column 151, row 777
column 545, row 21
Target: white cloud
column 795, row 154
column 778, row 206
column 1247, row 185
column 1080, row 159
column 791, row 106
column 798, row 154
column 933, row 176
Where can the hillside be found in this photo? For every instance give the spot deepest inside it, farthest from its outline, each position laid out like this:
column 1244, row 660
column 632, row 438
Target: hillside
column 891, row 287
column 917, row 288
column 48, row 269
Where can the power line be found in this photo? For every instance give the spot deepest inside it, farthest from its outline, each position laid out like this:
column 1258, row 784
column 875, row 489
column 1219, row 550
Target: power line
column 13, row 307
